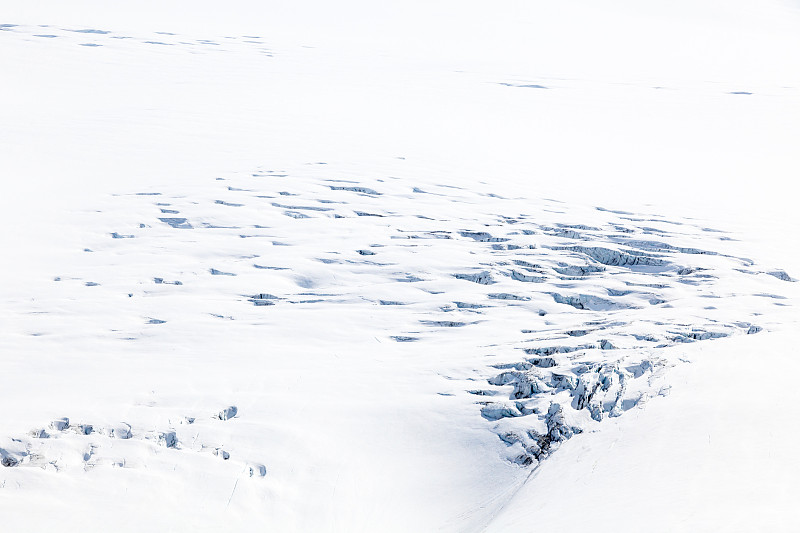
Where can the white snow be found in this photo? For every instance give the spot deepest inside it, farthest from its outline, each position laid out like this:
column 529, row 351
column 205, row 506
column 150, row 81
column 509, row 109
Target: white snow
column 717, row 455
column 443, row 266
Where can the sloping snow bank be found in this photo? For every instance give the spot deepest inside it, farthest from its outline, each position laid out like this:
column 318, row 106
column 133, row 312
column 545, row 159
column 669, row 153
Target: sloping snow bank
column 718, row 454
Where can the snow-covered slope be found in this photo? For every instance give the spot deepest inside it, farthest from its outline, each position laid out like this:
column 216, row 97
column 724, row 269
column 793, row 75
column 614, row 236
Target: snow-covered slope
column 714, row 456
column 259, row 274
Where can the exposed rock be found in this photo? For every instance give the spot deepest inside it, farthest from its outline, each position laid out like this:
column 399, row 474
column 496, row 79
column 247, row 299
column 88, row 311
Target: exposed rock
column 228, row 413
column 482, row 236
column 610, row 257
column 518, row 276
column 781, row 275
column 482, row 278
column 496, row 411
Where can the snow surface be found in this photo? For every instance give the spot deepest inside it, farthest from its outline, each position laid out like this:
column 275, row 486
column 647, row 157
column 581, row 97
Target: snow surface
column 422, row 267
